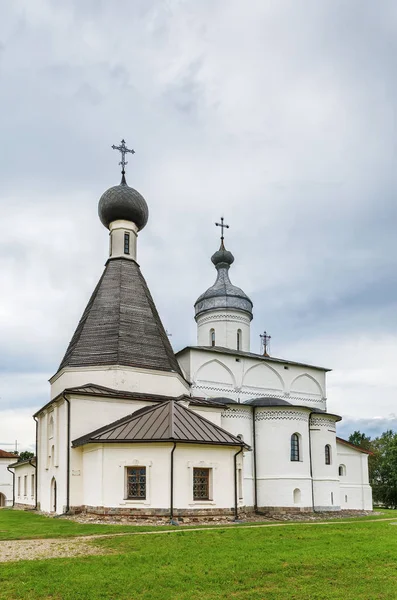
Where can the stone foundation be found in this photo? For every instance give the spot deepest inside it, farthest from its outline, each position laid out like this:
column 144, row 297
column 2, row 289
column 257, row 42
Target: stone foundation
column 145, row 513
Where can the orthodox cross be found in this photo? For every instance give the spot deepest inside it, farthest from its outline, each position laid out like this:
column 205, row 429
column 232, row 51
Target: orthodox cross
column 123, row 150
column 222, row 226
column 265, row 343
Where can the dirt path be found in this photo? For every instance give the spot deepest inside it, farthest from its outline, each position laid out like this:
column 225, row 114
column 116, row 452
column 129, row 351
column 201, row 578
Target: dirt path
column 39, row 549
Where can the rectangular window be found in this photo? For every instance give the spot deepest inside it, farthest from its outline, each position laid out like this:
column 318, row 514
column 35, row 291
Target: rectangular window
column 19, row 486
column 136, row 483
column 201, row 484
column 32, row 484
column 126, row 243
column 25, row 485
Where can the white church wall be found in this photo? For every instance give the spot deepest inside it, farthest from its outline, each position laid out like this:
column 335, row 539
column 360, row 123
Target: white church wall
column 325, row 476
column 238, row 420
column 121, row 378
column 105, row 467
column 225, row 326
column 6, row 481
column 212, row 414
column 243, row 378
column 355, row 491
column 51, row 458
column 277, row 476
column 25, row 483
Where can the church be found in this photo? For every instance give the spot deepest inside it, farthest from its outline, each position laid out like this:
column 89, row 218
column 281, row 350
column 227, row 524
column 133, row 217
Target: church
column 133, row 428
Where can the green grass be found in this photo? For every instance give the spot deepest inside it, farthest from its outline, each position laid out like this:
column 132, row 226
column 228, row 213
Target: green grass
column 354, row 561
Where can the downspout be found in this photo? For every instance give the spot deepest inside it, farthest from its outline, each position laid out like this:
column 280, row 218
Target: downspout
column 254, row 459
column 37, row 462
column 310, row 460
column 172, row 522
column 235, row 485
column 13, row 485
column 67, row 456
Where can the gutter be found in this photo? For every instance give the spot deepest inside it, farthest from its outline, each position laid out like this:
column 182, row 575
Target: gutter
column 13, row 485
column 67, row 456
column 235, row 485
column 172, row 522
column 37, row 462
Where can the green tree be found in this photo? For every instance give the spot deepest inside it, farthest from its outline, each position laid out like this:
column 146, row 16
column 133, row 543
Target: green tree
column 25, row 455
column 360, row 439
column 384, row 469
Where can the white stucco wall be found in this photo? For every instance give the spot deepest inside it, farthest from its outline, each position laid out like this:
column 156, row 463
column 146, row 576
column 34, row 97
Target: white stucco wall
column 243, row 378
column 25, row 482
column 325, row 477
column 104, row 475
column 225, row 325
column 121, row 378
column 6, row 479
column 355, row 491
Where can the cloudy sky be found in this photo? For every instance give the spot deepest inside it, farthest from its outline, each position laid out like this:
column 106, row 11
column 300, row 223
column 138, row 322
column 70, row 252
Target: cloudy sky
column 280, row 115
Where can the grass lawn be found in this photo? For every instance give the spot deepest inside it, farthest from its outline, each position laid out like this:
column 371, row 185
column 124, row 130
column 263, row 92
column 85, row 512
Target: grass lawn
column 354, row 561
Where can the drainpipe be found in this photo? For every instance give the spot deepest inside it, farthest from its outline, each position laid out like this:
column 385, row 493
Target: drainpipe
column 67, row 457
column 310, row 460
column 13, row 485
column 235, row 485
column 254, row 459
column 37, row 462
column 172, row 522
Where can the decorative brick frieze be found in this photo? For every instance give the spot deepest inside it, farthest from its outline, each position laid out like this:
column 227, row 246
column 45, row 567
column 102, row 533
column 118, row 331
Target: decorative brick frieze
column 237, row 413
column 275, row 415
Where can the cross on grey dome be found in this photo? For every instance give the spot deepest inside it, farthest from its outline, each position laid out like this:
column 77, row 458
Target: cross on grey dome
column 223, row 294
column 122, row 202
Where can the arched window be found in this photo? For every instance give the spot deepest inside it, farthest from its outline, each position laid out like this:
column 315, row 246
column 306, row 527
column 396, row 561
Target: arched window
column 239, row 339
column 295, row 449
column 327, row 454
column 297, row 496
column 51, row 427
column 342, row 470
column 212, row 337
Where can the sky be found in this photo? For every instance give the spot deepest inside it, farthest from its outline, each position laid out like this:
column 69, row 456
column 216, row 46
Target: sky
column 279, row 115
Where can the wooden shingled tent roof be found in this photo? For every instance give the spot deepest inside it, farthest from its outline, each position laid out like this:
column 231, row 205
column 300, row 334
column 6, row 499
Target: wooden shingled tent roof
column 121, row 325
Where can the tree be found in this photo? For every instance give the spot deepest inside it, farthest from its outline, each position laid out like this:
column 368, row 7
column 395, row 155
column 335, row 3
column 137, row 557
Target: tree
column 384, row 469
column 360, row 439
column 25, row 455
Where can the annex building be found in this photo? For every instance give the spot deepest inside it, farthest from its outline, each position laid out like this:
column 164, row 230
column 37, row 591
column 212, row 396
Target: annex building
column 132, row 427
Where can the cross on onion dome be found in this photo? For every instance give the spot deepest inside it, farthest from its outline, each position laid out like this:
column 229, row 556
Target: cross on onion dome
column 222, row 226
column 123, row 150
column 265, row 343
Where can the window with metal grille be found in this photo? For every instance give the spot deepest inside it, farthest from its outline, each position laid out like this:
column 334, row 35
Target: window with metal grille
column 201, row 484
column 327, row 454
column 295, row 447
column 126, row 243
column 136, row 483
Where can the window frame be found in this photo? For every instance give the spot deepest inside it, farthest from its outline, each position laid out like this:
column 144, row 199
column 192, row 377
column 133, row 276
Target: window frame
column 212, row 337
column 207, row 480
column 25, row 486
column 327, row 454
column 295, row 448
column 139, row 498
column 126, row 242
column 239, row 339
column 32, row 484
column 342, row 471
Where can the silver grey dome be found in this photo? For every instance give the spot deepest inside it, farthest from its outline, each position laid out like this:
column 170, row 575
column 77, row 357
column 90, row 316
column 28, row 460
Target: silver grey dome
column 123, row 202
column 223, row 294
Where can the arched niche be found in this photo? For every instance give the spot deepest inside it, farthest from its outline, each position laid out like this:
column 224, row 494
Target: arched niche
column 214, row 371
column 263, row 376
column 306, row 384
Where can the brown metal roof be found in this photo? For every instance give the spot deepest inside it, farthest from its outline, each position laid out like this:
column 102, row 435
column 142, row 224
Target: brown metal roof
column 5, row 454
column 346, row 443
column 121, row 325
column 166, row 422
column 92, row 389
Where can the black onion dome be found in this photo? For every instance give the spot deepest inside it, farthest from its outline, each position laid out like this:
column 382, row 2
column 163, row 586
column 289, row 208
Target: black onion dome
column 122, row 202
column 222, row 256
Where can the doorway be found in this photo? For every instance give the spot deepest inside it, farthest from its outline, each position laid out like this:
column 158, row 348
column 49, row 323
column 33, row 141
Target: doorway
column 2, row 500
